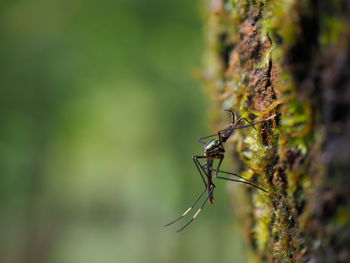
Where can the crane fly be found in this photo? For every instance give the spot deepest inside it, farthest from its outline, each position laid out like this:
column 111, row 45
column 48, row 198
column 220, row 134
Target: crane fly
column 214, row 150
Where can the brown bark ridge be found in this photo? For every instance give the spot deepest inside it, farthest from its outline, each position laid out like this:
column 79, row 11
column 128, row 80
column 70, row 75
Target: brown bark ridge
column 290, row 57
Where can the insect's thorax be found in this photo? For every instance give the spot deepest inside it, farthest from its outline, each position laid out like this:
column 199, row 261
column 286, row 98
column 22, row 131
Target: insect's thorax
column 214, row 148
column 226, row 133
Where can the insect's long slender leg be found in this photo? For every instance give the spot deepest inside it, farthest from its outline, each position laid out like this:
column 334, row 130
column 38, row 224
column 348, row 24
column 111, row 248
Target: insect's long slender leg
column 234, row 174
column 205, row 137
column 196, row 162
column 208, row 173
column 246, row 126
column 198, row 211
column 244, row 119
column 204, row 171
column 243, row 182
column 218, row 167
column 188, row 209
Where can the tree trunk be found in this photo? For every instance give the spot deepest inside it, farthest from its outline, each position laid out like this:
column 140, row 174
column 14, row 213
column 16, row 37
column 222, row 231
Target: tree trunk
column 289, row 57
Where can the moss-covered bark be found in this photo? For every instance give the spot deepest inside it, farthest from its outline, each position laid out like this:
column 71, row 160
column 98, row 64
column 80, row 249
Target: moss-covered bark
column 290, row 57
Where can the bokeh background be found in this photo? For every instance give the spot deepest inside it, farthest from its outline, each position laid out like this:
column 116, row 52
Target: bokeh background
column 99, row 116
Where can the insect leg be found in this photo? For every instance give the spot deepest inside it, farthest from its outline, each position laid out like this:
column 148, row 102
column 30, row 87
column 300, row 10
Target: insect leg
column 205, row 137
column 195, row 160
column 188, row 209
column 246, row 126
column 244, row 119
column 246, row 181
column 243, row 182
column 234, row 174
column 218, row 167
column 224, row 172
column 209, row 174
column 198, row 211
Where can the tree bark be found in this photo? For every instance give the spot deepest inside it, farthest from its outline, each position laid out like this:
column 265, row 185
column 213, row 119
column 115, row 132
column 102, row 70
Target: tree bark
column 289, row 57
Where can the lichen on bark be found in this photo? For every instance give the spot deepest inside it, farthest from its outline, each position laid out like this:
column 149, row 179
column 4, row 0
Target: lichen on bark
column 289, row 57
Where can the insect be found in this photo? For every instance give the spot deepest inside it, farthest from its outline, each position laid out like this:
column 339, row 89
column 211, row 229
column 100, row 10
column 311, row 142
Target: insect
column 214, row 150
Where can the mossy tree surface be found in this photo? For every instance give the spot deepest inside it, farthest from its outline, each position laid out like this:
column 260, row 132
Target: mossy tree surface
column 290, row 57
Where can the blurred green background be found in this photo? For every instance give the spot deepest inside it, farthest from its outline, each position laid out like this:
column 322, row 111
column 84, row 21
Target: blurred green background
column 99, row 116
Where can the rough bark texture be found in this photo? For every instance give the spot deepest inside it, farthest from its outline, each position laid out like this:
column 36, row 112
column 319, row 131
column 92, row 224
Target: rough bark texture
column 290, row 57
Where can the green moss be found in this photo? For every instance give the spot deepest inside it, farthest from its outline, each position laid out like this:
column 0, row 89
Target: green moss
column 266, row 57
column 280, row 20
column 263, row 221
column 273, row 157
column 238, row 10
